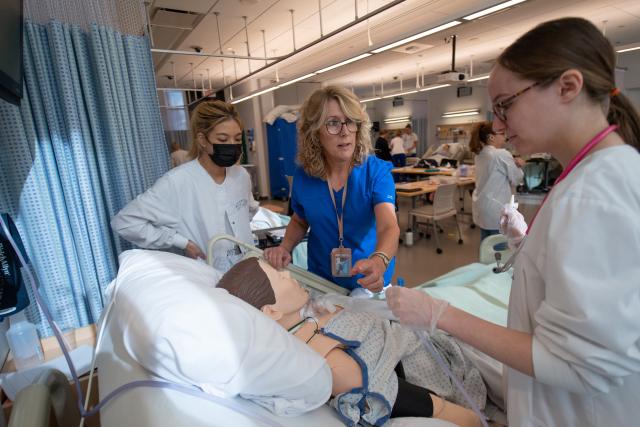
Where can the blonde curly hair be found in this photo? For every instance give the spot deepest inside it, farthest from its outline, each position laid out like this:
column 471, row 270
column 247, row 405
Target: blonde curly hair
column 313, row 115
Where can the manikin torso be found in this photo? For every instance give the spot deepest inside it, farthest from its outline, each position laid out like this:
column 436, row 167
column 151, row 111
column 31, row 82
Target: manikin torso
column 345, row 371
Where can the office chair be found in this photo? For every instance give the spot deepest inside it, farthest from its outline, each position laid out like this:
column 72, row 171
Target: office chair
column 444, row 206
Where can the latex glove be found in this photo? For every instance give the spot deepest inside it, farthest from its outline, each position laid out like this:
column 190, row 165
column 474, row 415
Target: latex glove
column 415, row 308
column 193, row 251
column 277, row 256
column 373, row 271
column 512, row 225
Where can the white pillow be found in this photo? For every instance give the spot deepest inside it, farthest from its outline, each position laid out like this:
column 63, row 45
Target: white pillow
column 177, row 325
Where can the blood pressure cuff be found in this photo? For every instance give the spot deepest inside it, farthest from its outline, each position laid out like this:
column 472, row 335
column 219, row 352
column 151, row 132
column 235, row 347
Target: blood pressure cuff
column 13, row 294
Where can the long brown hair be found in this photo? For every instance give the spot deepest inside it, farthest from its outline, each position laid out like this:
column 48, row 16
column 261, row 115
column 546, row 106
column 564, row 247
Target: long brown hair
column 206, row 116
column 480, row 136
column 552, row 48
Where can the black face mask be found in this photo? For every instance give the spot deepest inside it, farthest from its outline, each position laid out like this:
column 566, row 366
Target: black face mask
column 225, row 155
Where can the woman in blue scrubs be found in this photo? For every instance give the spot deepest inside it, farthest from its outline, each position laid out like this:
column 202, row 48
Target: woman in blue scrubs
column 342, row 194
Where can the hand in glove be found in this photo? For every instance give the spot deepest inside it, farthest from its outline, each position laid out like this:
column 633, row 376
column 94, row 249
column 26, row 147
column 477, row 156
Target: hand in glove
column 512, row 225
column 415, row 308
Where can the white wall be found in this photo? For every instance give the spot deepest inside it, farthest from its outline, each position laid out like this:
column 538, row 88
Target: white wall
column 629, row 62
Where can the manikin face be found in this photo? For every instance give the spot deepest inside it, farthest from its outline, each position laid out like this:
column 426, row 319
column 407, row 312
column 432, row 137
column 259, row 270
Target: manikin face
column 340, row 147
column 532, row 118
column 290, row 296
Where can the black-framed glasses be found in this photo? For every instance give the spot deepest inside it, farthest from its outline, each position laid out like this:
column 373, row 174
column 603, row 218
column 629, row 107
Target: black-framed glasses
column 500, row 108
column 334, row 126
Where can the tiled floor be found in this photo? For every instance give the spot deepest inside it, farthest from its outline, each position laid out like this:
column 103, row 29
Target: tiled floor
column 420, row 263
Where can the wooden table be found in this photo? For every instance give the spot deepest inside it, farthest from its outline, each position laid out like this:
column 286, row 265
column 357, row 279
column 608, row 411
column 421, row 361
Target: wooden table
column 417, row 172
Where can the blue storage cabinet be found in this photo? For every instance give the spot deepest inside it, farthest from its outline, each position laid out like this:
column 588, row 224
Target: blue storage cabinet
column 282, row 141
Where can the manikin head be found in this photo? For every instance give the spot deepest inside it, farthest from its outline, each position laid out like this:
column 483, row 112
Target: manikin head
column 274, row 292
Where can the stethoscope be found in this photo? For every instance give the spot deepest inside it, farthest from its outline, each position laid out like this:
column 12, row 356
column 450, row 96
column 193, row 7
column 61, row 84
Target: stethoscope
column 572, row 164
column 510, row 261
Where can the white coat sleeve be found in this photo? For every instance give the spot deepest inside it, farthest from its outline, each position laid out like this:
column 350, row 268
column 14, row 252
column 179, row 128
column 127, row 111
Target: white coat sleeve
column 588, row 334
column 513, row 172
column 150, row 220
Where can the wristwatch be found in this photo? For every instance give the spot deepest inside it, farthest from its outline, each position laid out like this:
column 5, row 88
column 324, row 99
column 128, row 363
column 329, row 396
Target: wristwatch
column 384, row 257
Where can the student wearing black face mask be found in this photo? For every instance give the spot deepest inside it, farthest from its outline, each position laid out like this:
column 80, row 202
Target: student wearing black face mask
column 207, row 196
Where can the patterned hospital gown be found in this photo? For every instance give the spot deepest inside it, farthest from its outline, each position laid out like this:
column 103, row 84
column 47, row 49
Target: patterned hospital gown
column 378, row 345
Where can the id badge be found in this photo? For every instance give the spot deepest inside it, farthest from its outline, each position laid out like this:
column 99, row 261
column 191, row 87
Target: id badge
column 341, row 262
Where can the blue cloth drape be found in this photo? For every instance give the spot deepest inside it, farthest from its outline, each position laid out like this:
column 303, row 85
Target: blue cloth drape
column 86, row 139
column 419, row 127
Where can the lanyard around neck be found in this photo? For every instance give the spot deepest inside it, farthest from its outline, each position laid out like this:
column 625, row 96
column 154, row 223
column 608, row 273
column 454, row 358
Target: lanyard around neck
column 341, row 216
column 574, row 162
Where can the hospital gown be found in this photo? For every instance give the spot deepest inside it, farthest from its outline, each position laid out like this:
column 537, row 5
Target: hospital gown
column 378, row 345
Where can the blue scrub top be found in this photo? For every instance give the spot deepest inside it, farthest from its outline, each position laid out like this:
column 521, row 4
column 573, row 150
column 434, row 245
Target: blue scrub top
column 369, row 184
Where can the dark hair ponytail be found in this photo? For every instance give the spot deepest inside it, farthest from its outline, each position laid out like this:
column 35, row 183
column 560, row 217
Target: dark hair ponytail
column 623, row 113
column 480, row 136
column 545, row 52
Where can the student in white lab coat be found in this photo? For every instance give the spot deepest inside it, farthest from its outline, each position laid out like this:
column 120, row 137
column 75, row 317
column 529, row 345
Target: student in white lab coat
column 497, row 172
column 571, row 349
column 204, row 197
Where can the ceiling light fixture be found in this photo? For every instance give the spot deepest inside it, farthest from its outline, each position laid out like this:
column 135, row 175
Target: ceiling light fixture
column 417, row 36
column 397, row 119
column 492, row 9
column 475, row 79
column 433, row 87
column 362, row 101
column 306, row 76
column 628, row 49
column 460, row 113
column 340, row 64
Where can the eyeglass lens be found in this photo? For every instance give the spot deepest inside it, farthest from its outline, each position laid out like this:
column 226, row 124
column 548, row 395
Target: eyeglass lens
column 335, row 126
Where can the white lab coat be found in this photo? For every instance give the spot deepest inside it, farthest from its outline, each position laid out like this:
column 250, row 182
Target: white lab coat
column 576, row 288
column 187, row 204
column 496, row 173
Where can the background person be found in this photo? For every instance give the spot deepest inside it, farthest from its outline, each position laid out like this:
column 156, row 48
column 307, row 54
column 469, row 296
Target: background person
column 410, row 141
column 338, row 181
column 178, row 155
column 207, row 196
column 382, row 146
column 398, row 155
column 497, row 173
column 572, row 346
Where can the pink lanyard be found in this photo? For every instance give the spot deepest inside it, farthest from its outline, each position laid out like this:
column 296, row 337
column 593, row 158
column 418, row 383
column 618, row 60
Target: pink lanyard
column 574, row 162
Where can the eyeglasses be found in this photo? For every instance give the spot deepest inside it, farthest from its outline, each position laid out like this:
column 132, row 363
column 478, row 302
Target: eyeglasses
column 334, row 127
column 500, row 108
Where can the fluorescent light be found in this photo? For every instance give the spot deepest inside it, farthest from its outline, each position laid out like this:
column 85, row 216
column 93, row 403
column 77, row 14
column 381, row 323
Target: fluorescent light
column 253, row 95
column 628, row 49
column 297, row 80
column 397, row 119
column 492, row 9
column 340, row 64
column 417, row 36
column 460, row 113
column 434, row 87
column 369, row 99
column 475, row 79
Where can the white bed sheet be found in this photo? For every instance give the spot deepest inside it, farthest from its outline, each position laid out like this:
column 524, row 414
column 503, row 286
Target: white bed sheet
column 146, row 407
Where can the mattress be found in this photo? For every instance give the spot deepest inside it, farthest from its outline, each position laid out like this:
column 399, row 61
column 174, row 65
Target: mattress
column 142, row 407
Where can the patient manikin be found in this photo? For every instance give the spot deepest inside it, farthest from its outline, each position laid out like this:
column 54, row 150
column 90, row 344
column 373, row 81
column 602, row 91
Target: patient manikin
column 370, row 357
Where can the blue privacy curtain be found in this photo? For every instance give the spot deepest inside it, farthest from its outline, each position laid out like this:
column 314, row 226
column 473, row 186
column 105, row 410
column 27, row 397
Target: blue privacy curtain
column 85, row 140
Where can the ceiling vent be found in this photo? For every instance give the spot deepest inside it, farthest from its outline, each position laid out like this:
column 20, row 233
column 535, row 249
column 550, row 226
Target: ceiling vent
column 411, row 48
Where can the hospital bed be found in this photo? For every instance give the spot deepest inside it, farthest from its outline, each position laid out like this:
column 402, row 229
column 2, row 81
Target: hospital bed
column 469, row 287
